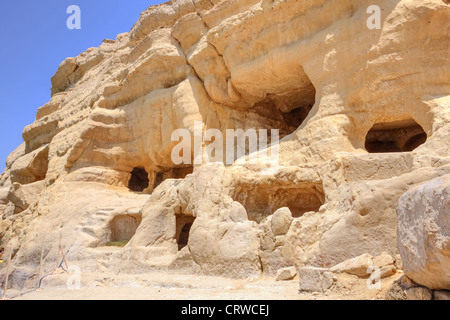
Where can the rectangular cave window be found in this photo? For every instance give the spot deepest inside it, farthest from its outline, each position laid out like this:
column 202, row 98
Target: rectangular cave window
column 172, row 173
column 263, row 201
column 139, row 180
column 398, row 136
column 183, row 227
column 123, row 227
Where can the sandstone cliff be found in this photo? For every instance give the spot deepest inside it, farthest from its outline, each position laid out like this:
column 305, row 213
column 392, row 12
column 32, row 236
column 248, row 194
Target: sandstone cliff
column 364, row 116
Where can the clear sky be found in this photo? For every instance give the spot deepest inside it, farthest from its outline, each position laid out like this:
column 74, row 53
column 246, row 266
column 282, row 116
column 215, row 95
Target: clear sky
column 34, row 40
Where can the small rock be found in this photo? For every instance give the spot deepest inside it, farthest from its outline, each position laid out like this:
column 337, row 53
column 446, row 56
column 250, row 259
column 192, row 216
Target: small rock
column 238, row 212
column 406, row 283
column 360, row 266
column 281, row 221
column 286, row 273
column 419, row 293
column 383, row 260
column 315, row 279
column 395, row 292
column 279, row 241
column 387, row 271
column 441, row 295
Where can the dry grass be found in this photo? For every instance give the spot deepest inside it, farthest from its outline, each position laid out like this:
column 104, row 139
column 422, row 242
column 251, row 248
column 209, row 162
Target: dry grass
column 117, row 243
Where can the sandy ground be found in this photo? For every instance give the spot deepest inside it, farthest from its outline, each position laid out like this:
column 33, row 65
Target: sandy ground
column 160, row 286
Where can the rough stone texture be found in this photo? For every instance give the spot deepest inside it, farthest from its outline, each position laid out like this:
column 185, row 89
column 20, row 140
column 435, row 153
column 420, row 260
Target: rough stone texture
column 424, row 233
column 386, row 263
column 281, row 221
column 395, row 292
column 387, row 271
column 315, row 279
column 286, row 273
column 418, row 293
column 383, row 260
column 360, row 266
column 308, row 68
column 406, row 282
column 406, row 289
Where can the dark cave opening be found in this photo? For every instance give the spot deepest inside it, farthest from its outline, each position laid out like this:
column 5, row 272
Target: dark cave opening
column 139, row 180
column 172, row 173
column 295, row 117
column 287, row 111
column 398, row 136
column 264, row 200
column 183, row 228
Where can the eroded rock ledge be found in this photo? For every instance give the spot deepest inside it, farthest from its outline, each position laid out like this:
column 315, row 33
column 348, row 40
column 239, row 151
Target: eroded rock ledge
column 364, row 116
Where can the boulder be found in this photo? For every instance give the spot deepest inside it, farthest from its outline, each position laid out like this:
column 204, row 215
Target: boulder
column 386, row 263
column 441, row 295
column 281, row 221
column 419, row 293
column 424, row 233
column 395, row 292
column 324, row 195
column 360, row 266
column 22, row 196
column 387, row 271
column 406, row 289
column 314, row 279
column 383, row 260
column 286, row 273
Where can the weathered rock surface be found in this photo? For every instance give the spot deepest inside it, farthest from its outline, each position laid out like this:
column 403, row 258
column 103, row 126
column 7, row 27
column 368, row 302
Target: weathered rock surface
column 363, row 116
column 441, row 295
column 286, row 273
column 365, row 265
column 424, row 233
column 359, row 266
column 419, row 293
column 314, row 279
column 406, row 289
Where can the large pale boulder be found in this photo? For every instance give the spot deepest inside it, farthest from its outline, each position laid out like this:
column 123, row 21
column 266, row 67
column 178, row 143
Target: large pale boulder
column 424, row 233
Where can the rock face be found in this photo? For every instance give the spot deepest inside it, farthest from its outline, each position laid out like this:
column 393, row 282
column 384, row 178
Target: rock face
column 406, row 289
column 363, row 115
column 424, row 233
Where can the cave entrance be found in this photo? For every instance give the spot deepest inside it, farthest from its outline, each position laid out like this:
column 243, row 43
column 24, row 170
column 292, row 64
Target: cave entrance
column 139, row 180
column 288, row 110
column 294, row 118
column 262, row 201
column 172, row 173
column 183, row 228
column 397, row 136
column 123, row 227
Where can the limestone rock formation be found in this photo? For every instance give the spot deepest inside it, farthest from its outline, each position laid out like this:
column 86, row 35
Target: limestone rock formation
column 359, row 266
column 363, row 115
column 424, row 233
column 406, row 289
column 286, row 273
column 315, row 279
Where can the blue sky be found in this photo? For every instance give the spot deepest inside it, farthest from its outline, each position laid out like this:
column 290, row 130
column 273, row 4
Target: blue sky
column 35, row 40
